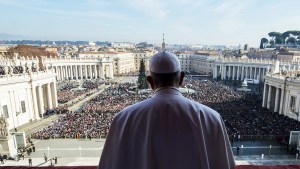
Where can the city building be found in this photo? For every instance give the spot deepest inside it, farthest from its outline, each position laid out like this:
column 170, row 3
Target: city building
column 289, row 54
column 203, row 61
column 281, row 93
column 122, row 45
column 244, row 68
column 142, row 55
column 185, row 59
column 25, row 94
column 89, row 66
column 145, row 46
column 123, row 62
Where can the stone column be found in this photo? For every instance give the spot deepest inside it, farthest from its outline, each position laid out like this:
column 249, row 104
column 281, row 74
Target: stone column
column 223, row 72
column 85, row 71
column 281, row 101
column 102, row 71
column 61, row 73
column 243, row 71
column 80, row 71
column 99, row 71
column 71, row 72
column 40, row 100
column 49, row 98
column 297, row 104
column 91, row 72
column 67, row 73
column 255, row 76
column 35, row 104
column 111, row 71
column 259, row 74
column 76, row 72
column 276, row 100
column 251, row 75
column 54, row 94
column 264, row 95
column 233, row 72
column 226, row 72
column 246, row 72
column 56, row 71
column 95, row 72
column 264, row 72
column 215, row 71
column 269, row 97
column 229, row 74
column 238, row 73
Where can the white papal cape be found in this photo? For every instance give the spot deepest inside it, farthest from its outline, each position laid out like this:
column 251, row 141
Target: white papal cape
column 167, row 131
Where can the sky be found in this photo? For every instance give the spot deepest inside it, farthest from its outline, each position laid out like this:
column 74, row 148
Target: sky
column 211, row 22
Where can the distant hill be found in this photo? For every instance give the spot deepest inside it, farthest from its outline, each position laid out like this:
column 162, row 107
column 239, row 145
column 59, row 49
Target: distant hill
column 48, row 42
column 6, row 36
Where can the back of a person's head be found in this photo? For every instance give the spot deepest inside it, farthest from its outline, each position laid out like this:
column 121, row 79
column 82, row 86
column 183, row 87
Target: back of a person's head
column 164, row 68
column 164, row 62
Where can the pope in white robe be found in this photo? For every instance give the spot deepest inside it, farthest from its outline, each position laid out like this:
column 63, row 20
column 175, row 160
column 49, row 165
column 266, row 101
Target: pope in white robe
column 167, row 131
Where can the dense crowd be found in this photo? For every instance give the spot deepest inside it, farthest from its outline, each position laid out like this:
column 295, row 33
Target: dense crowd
column 69, row 91
column 95, row 119
column 241, row 111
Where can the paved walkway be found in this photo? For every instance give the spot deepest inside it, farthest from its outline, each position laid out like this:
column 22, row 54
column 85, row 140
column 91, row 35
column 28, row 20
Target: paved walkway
column 85, row 152
column 93, row 161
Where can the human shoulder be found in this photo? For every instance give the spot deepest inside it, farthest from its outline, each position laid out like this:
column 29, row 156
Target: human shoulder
column 132, row 109
column 204, row 110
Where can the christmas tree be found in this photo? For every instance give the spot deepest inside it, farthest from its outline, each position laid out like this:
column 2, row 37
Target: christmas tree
column 142, row 79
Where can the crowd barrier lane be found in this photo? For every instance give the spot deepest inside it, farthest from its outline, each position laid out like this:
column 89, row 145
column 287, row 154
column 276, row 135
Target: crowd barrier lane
column 261, row 137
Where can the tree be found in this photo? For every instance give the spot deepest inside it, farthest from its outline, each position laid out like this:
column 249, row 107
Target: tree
column 291, row 40
column 286, row 35
column 277, row 37
column 274, row 35
column 263, row 43
column 142, row 79
column 279, row 40
column 298, row 40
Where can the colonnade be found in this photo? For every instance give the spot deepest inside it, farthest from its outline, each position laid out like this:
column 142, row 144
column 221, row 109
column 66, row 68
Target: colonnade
column 84, row 71
column 239, row 72
column 281, row 94
column 44, row 97
column 273, row 98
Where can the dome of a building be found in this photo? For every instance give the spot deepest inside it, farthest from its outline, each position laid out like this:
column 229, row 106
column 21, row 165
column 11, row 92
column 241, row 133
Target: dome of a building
column 244, row 57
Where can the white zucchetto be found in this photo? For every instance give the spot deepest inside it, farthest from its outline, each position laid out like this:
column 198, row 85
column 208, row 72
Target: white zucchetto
column 164, row 62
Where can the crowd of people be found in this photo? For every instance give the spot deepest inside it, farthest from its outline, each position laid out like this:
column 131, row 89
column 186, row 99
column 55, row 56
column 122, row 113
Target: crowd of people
column 95, row 119
column 241, row 111
column 70, row 90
